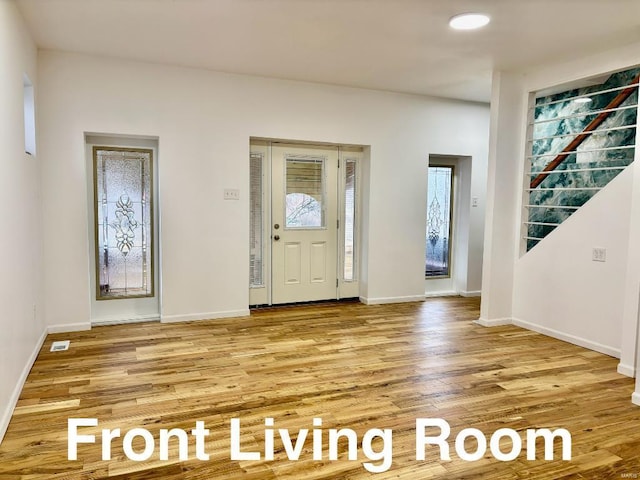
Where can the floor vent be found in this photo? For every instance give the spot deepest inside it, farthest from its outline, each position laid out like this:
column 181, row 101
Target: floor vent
column 60, row 346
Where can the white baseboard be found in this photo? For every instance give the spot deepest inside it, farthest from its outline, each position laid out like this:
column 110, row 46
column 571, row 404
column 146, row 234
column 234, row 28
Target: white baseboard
column 626, row 370
column 69, row 327
column 566, row 337
column 449, row 293
column 204, row 316
column 473, row 293
column 496, row 322
column 384, row 300
column 17, row 389
column 121, row 320
column 635, row 398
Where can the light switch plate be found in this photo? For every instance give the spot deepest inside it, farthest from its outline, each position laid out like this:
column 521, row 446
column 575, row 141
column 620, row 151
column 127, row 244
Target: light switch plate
column 231, row 194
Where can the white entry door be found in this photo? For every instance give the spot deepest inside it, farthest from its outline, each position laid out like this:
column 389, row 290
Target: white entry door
column 304, row 235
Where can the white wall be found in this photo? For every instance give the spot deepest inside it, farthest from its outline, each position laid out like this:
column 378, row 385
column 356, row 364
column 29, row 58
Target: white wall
column 203, row 121
column 560, row 291
column 508, row 107
column 21, row 323
column 604, row 62
column 629, row 362
column 618, row 59
column 594, row 305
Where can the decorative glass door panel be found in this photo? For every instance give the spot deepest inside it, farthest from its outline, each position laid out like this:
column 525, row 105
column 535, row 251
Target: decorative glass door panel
column 123, row 196
column 439, row 211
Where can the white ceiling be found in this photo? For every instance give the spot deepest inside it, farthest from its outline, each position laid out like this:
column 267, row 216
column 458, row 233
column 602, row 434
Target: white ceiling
column 396, row 45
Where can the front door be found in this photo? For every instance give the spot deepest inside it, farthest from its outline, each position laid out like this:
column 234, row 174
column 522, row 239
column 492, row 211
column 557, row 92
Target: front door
column 304, row 234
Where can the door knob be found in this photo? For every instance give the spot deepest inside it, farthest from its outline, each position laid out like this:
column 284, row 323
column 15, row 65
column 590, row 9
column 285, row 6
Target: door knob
column 276, row 237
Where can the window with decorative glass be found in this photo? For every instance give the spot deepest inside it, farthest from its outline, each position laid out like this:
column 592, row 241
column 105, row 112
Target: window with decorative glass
column 439, row 212
column 123, row 200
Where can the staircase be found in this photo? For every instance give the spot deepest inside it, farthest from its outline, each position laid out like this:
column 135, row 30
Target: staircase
column 579, row 140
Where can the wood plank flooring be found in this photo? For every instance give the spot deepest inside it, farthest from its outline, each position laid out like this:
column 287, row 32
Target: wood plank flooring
column 353, row 366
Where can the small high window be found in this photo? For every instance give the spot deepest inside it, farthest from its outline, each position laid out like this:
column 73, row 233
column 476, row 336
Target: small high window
column 29, row 116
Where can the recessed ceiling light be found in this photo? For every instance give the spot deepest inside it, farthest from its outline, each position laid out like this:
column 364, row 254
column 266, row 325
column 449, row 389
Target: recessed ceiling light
column 469, row 21
column 582, row 100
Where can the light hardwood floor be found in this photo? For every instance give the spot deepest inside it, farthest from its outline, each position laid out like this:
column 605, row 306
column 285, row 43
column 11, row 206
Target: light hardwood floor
column 353, row 366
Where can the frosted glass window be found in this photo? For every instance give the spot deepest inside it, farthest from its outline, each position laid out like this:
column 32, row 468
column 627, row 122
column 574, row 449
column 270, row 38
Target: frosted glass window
column 124, row 222
column 256, row 273
column 349, row 220
column 439, row 203
column 29, row 117
column 304, row 204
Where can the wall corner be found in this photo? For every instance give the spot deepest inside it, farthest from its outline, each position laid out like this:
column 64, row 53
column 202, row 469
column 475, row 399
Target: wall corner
column 506, row 147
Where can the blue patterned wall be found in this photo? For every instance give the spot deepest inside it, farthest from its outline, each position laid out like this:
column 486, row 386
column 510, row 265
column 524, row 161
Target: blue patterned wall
column 565, row 116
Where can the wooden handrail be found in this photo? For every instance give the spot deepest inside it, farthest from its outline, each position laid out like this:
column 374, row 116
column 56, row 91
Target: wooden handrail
column 588, row 130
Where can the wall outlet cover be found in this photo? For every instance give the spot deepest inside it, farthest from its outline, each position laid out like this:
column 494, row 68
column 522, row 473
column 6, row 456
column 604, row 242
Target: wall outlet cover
column 599, row 254
column 231, row 194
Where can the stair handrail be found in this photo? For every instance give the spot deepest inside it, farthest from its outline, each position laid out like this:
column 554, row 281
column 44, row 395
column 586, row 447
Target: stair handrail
column 586, row 133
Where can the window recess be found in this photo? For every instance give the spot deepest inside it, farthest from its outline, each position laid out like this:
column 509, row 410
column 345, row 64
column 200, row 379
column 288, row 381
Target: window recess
column 579, row 139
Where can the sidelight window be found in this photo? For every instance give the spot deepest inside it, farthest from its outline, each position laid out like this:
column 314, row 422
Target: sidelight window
column 256, row 240
column 349, row 230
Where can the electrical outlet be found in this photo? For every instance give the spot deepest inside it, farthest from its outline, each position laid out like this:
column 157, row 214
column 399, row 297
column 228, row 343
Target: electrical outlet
column 599, row 254
column 231, row 194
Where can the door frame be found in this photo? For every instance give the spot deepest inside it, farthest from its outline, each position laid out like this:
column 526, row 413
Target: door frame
column 456, row 283
column 131, row 309
column 263, row 294
column 304, row 258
